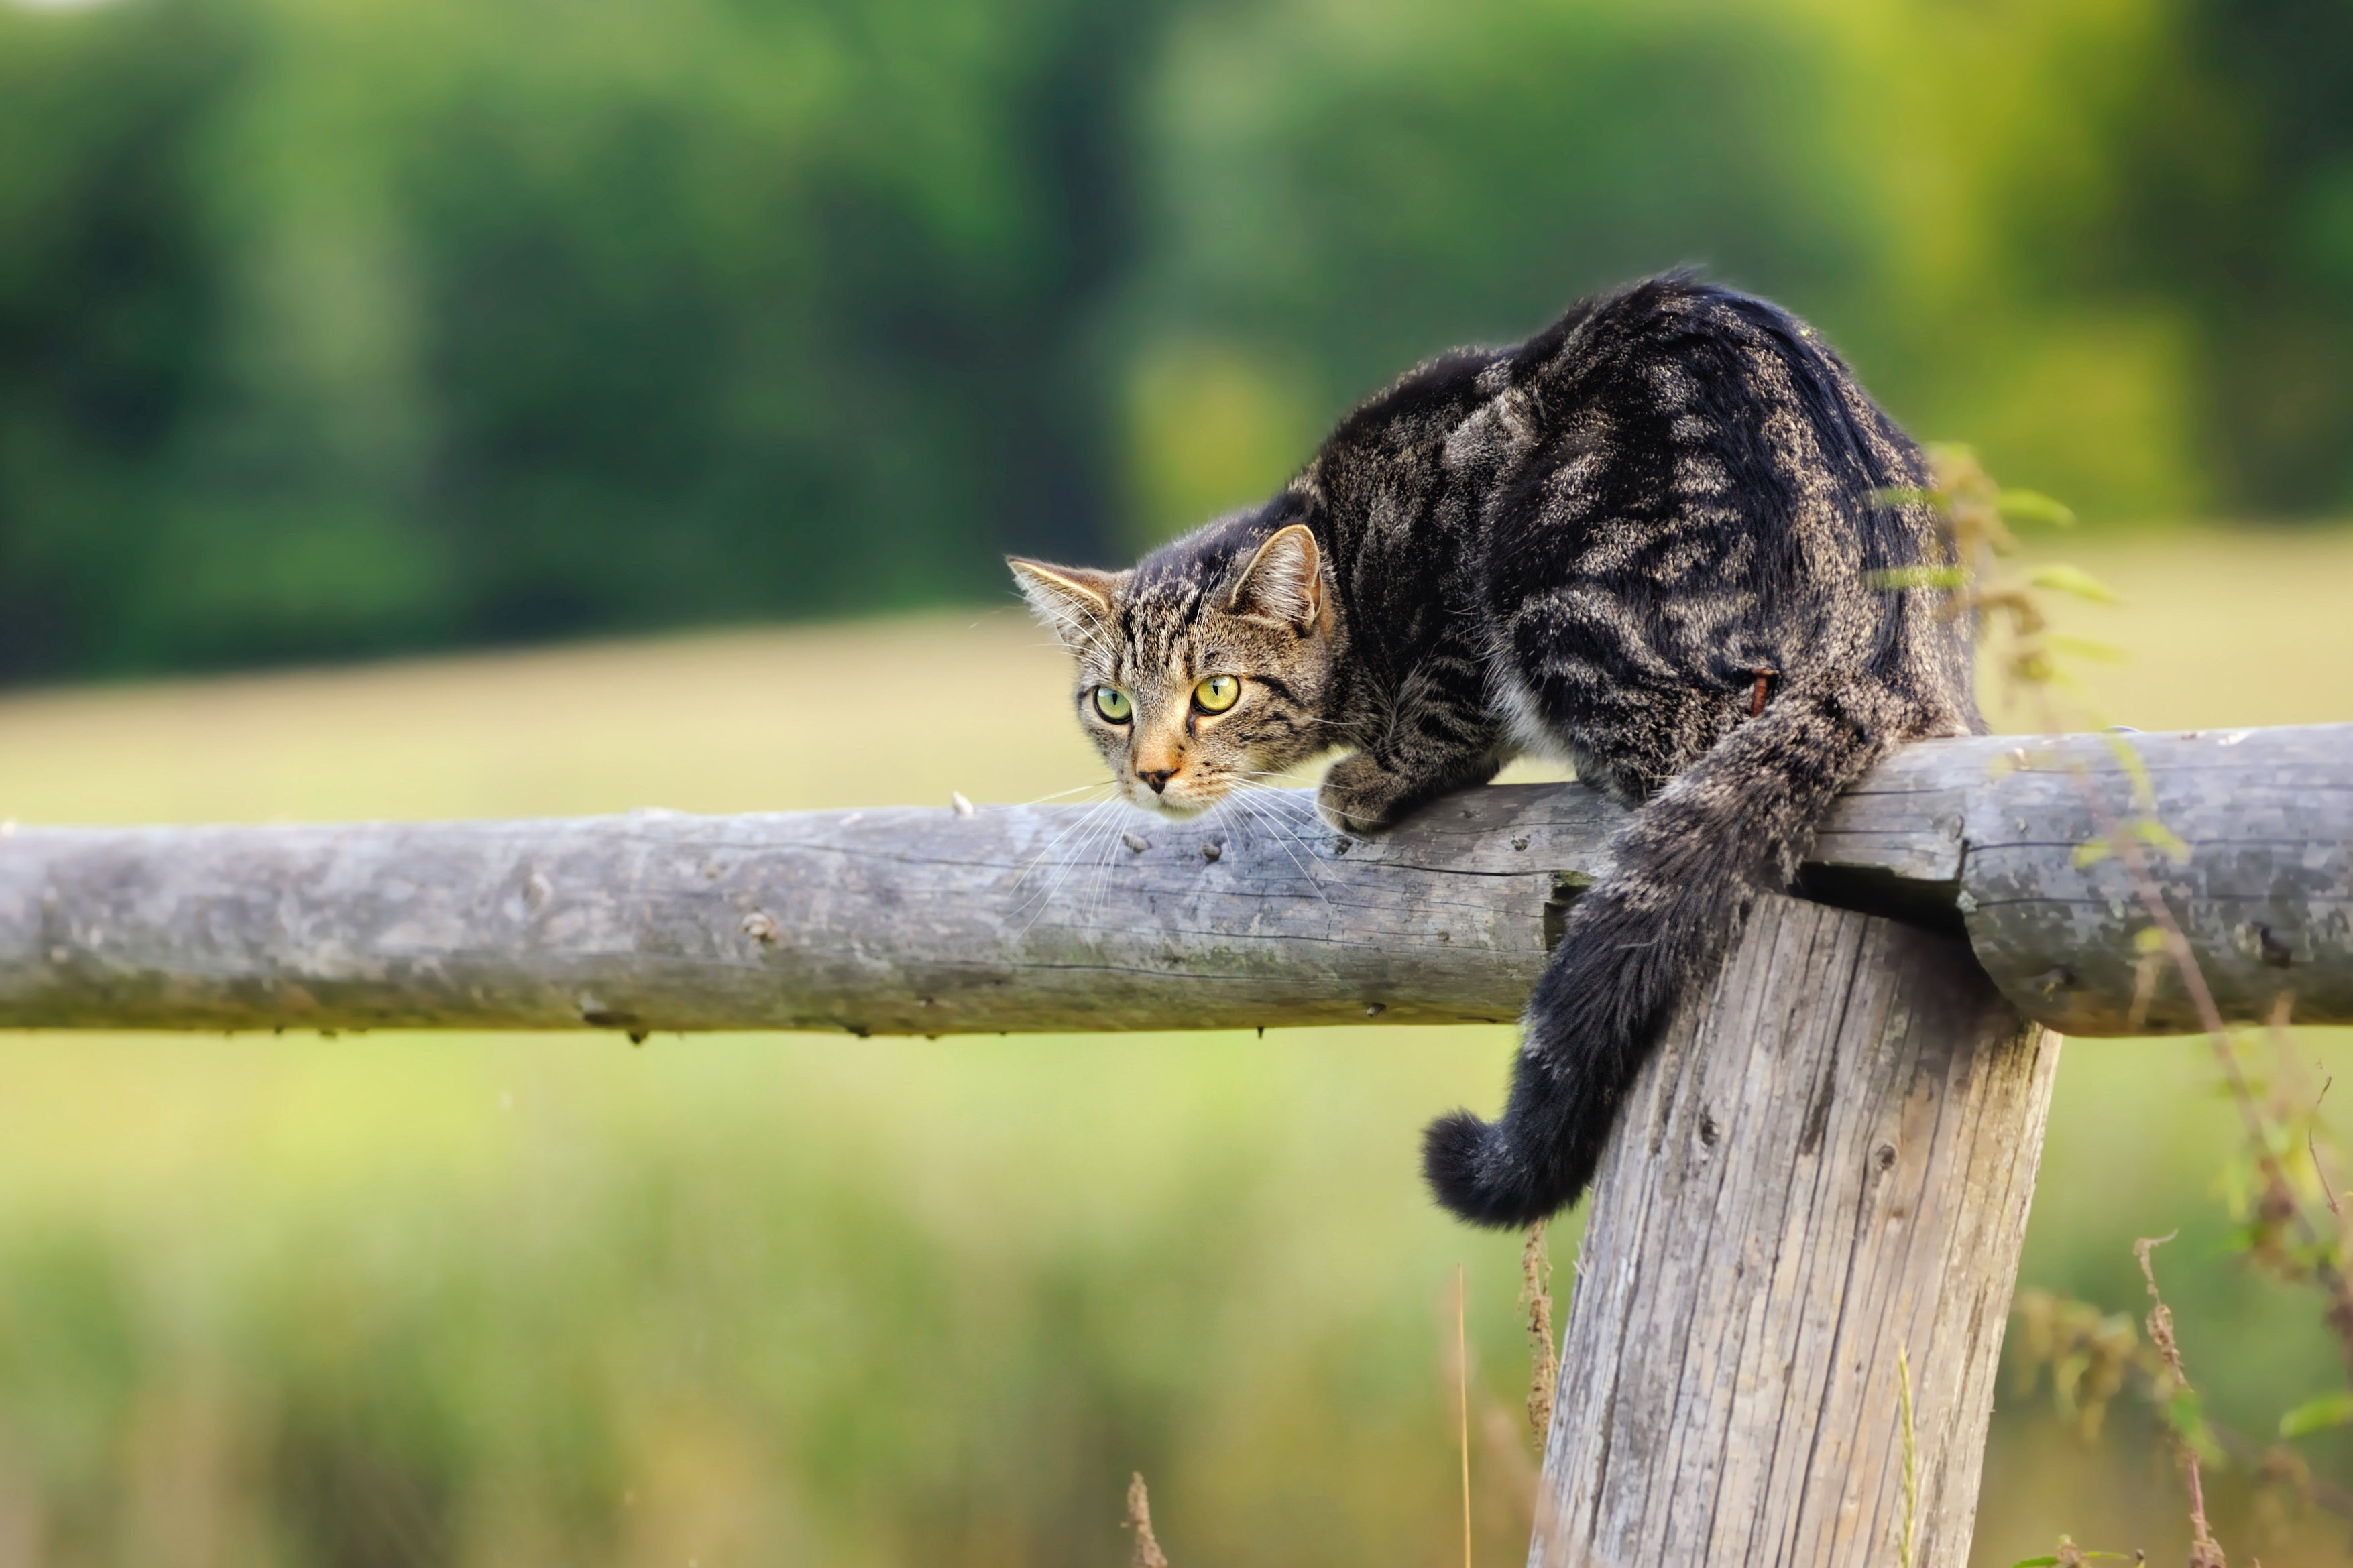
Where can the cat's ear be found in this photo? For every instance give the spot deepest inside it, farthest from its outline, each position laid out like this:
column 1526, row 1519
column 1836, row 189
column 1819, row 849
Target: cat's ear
column 1285, row 580
column 1075, row 601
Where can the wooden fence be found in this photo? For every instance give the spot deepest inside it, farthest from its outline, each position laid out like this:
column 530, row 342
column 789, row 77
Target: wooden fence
column 1829, row 1163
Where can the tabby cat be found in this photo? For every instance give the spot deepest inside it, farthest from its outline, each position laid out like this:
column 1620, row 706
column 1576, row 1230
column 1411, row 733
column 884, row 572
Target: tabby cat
column 1648, row 539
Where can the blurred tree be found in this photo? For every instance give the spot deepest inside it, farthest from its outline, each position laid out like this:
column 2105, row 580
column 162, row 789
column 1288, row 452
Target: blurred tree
column 111, row 281
column 327, row 331
column 445, row 322
column 2255, row 226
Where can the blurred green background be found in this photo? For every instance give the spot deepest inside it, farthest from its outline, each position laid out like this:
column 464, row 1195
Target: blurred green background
column 330, row 327
column 337, row 328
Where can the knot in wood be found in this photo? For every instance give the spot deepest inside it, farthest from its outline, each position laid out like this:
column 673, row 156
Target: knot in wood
column 597, row 1015
column 2051, row 982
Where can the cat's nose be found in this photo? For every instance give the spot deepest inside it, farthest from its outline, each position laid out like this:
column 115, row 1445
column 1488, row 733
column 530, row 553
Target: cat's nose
column 1157, row 777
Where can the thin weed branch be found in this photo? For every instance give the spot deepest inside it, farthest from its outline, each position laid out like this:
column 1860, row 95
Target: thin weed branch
column 1543, row 1360
column 2280, row 1235
column 1139, row 1520
column 1905, row 1541
column 2194, row 1443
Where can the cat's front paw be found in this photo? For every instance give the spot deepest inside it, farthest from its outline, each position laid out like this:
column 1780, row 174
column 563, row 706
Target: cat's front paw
column 1359, row 795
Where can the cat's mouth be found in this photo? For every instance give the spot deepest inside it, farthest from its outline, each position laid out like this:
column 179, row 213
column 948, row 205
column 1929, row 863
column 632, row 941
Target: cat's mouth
column 1163, row 805
column 1182, row 798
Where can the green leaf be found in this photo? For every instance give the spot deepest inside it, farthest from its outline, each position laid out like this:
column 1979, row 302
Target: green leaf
column 2036, row 1562
column 2161, row 838
column 2064, row 579
column 2035, row 506
column 2144, row 787
column 2091, row 852
column 1919, row 577
column 2186, row 1417
column 2317, row 1415
column 2085, row 648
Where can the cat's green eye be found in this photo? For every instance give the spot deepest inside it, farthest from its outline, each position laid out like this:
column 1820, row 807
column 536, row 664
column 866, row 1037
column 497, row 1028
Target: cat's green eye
column 1217, row 694
column 1112, row 704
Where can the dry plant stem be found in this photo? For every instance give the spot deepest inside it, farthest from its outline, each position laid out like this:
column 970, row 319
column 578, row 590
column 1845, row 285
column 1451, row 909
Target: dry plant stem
column 1910, row 1459
column 2277, row 1024
column 1973, row 506
column 2088, row 1366
column 1972, row 503
column 1536, row 1299
column 1139, row 1520
column 2279, row 1197
column 2327, row 1186
column 1463, row 1403
column 2205, row 1551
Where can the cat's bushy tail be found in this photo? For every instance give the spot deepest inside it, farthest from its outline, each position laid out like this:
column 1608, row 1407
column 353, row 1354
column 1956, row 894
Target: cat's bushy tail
column 1735, row 823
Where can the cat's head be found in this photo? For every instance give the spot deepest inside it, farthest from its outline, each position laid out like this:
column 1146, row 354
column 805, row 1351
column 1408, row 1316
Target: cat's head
column 1205, row 666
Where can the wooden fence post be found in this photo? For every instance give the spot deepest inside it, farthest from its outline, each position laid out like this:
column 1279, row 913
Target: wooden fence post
column 1831, row 1161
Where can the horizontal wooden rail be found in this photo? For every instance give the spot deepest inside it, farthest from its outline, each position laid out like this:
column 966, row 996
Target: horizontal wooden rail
column 937, row 920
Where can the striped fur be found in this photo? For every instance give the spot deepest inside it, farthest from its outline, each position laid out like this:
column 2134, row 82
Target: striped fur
column 1586, row 545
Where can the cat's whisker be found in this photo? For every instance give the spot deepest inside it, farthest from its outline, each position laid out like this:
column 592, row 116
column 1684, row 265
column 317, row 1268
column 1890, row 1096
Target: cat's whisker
column 1069, row 828
column 1284, row 838
column 1046, row 898
column 1291, row 848
column 1074, row 789
column 1099, row 820
column 1282, row 791
column 1097, row 830
column 1300, row 827
column 1081, row 831
column 1101, row 864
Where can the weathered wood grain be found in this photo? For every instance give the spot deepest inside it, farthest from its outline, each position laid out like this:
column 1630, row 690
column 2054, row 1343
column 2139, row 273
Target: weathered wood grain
column 929, row 922
column 2264, row 887
column 1832, row 1158
column 901, row 921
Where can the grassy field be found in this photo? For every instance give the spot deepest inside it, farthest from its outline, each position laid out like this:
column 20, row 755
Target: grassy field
column 398, row 1299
